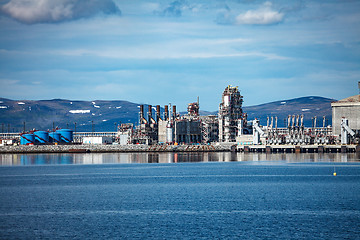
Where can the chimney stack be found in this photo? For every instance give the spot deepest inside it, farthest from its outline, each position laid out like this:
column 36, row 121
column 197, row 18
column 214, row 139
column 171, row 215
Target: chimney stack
column 141, row 114
column 150, row 113
column 174, row 112
column 166, row 116
column 158, row 113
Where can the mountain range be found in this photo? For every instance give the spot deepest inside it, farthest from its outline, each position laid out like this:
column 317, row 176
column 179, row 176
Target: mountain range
column 100, row 115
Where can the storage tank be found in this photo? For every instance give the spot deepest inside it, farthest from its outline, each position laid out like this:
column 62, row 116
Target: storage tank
column 41, row 136
column 55, row 137
column 169, row 133
column 27, row 138
column 66, row 135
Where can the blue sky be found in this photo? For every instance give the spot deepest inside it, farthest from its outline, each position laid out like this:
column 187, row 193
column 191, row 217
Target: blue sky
column 160, row 52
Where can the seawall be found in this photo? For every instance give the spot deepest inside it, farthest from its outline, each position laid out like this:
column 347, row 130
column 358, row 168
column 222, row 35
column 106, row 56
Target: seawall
column 84, row 148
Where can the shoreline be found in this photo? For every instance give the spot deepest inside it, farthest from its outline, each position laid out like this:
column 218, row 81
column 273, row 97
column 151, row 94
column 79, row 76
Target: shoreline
column 99, row 148
column 87, row 148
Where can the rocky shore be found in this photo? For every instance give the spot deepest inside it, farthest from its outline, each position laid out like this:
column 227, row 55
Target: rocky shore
column 87, row 148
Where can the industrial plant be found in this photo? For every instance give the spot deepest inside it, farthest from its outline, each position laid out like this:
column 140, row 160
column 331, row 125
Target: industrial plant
column 164, row 126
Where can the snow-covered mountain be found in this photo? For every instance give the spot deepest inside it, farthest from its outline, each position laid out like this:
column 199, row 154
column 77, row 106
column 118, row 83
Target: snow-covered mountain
column 106, row 115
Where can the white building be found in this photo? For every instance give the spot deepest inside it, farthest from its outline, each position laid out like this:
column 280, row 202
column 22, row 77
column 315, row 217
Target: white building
column 97, row 140
column 348, row 108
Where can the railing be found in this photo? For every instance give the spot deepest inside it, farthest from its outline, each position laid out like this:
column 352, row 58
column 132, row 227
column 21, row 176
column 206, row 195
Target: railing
column 9, row 135
column 95, row 134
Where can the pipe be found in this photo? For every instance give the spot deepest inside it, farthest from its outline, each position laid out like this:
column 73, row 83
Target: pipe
column 297, row 121
column 150, row 113
column 141, row 113
column 289, row 120
column 158, row 113
column 174, row 112
column 166, row 113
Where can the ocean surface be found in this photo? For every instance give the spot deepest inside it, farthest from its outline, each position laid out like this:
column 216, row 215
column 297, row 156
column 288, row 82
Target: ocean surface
column 179, row 196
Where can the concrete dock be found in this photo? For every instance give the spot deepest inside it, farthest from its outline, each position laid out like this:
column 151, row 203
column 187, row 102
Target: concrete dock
column 299, row 148
column 87, row 148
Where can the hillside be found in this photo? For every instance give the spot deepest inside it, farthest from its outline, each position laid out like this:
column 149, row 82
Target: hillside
column 105, row 115
column 307, row 106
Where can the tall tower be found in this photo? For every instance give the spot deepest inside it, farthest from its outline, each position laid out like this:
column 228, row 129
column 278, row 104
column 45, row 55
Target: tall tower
column 230, row 114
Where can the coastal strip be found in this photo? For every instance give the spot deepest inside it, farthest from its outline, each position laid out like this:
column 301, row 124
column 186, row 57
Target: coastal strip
column 98, row 148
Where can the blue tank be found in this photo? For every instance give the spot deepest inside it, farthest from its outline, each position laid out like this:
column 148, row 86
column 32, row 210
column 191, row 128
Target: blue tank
column 55, row 137
column 66, row 135
column 27, row 139
column 41, row 136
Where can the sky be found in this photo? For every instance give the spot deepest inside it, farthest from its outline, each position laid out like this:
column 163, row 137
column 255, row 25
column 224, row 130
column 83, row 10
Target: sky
column 161, row 52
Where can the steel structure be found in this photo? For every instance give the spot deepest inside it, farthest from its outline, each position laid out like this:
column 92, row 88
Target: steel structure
column 295, row 132
column 230, row 113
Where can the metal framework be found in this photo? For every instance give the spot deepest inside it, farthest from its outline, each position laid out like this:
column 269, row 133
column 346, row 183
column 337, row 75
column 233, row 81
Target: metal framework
column 230, row 113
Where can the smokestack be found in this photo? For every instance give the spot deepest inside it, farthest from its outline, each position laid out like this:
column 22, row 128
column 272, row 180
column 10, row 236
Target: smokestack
column 174, row 112
column 150, row 113
column 158, row 113
column 166, row 113
column 141, row 113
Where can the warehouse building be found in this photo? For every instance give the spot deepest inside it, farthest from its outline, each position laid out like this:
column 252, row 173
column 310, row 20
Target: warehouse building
column 348, row 108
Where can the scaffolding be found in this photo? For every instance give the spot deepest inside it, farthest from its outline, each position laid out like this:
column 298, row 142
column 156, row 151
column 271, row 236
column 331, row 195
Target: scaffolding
column 230, row 113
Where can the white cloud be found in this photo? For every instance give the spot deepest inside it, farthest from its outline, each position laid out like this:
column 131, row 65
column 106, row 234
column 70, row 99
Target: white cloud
column 8, row 82
column 262, row 16
column 177, row 49
column 176, row 9
column 119, row 54
column 50, row 11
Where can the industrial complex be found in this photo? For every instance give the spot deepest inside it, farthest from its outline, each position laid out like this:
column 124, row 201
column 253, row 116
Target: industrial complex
column 230, row 127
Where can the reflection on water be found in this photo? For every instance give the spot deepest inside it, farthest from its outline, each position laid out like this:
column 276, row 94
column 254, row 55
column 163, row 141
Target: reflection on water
column 106, row 158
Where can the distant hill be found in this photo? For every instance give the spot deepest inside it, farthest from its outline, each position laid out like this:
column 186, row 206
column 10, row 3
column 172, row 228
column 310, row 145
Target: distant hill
column 308, row 106
column 105, row 115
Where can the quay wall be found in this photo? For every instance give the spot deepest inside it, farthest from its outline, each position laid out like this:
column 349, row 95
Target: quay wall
column 98, row 148
column 84, row 148
column 299, row 148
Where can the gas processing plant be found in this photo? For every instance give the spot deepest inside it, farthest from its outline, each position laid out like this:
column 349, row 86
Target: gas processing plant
column 231, row 126
column 165, row 126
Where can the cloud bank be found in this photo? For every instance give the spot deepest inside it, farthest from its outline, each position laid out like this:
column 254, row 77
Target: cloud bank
column 55, row 11
column 262, row 16
column 175, row 9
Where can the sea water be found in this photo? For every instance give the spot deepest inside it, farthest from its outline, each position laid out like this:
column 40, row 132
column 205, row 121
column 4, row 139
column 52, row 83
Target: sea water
column 179, row 196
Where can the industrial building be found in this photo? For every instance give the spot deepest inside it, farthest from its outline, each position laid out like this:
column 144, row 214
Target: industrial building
column 209, row 128
column 125, row 133
column 97, row 140
column 169, row 127
column 231, row 117
column 231, row 126
column 187, row 128
column 160, row 126
column 348, row 108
